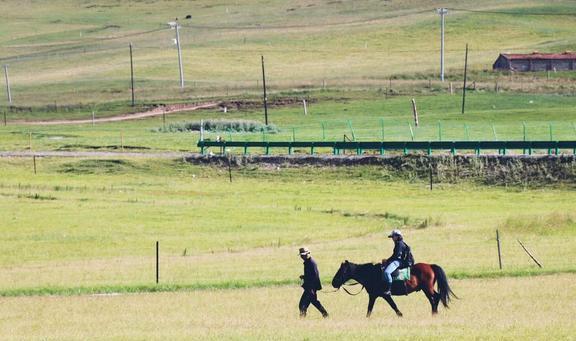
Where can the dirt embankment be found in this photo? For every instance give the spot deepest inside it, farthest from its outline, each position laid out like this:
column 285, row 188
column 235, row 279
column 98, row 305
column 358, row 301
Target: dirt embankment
column 157, row 111
column 247, row 104
column 489, row 169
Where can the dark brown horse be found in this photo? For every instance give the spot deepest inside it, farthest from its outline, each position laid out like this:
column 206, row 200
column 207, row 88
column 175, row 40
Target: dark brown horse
column 422, row 277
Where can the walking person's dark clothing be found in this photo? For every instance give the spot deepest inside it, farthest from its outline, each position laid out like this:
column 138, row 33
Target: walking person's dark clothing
column 311, row 283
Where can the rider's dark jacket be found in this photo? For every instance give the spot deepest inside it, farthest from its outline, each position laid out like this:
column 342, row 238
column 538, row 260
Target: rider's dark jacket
column 401, row 253
column 311, row 275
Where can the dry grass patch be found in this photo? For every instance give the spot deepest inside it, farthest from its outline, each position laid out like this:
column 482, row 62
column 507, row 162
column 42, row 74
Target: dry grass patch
column 508, row 308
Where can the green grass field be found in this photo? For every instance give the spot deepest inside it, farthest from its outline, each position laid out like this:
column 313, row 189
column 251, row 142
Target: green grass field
column 77, row 211
column 78, row 238
column 366, row 116
column 84, row 226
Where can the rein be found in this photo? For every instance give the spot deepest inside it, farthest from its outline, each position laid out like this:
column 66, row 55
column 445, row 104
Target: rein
column 344, row 287
column 351, row 294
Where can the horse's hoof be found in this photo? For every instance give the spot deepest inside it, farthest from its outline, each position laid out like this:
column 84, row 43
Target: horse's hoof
column 399, row 314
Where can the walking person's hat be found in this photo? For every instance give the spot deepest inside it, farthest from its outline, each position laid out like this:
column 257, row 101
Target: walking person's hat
column 395, row 233
column 304, row 251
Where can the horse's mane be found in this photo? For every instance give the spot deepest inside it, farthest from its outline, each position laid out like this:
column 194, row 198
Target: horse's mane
column 369, row 271
column 366, row 265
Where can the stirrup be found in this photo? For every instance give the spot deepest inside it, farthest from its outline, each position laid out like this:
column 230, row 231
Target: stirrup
column 387, row 293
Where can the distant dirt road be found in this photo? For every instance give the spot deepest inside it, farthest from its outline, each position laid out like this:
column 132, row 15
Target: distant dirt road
column 154, row 112
column 151, row 155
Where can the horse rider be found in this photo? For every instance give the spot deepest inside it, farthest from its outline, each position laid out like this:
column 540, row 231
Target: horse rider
column 401, row 258
column 311, row 283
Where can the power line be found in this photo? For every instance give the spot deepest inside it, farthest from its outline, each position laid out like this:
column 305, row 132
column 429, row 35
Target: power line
column 573, row 14
column 78, row 48
column 274, row 27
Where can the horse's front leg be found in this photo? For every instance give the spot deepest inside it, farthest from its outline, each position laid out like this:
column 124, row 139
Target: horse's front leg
column 393, row 305
column 372, row 299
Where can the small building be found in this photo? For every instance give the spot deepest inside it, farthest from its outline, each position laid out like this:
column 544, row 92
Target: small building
column 536, row 61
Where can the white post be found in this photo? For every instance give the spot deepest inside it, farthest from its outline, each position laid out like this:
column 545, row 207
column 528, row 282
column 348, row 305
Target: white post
column 201, row 130
column 93, row 117
column 305, row 108
column 415, row 112
column 179, row 55
column 7, row 84
column 442, row 12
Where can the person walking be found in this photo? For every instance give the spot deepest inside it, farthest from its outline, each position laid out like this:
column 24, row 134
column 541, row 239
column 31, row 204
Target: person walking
column 311, row 284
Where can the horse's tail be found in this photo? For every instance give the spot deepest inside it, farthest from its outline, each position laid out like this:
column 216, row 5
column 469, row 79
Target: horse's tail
column 443, row 287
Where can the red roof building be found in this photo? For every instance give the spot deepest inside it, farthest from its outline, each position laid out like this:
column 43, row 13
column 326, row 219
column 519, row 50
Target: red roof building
column 536, row 62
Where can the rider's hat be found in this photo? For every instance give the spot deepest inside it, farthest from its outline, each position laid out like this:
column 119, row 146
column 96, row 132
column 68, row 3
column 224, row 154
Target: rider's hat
column 395, row 233
column 304, row 251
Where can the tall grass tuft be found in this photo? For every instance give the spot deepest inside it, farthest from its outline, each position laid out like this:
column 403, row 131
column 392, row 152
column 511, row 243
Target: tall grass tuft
column 556, row 222
column 234, row 126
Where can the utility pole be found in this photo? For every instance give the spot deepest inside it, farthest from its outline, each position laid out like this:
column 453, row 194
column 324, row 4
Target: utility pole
column 177, row 26
column 265, row 97
column 131, row 77
column 442, row 12
column 7, row 84
column 465, row 76
column 157, row 261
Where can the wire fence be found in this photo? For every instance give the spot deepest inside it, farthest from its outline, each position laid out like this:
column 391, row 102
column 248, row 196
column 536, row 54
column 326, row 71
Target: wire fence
column 95, row 69
column 380, row 130
column 145, row 140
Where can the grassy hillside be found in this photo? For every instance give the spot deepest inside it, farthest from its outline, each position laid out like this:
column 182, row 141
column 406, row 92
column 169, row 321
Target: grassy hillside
column 228, row 252
column 94, row 223
column 63, row 52
column 331, row 115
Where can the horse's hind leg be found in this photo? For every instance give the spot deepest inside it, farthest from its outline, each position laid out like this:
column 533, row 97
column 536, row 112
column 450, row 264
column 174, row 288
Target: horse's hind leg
column 371, row 301
column 436, row 298
column 433, row 298
column 393, row 305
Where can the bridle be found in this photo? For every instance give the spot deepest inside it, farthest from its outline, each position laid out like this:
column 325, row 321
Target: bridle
column 344, row 285
column 351, row 284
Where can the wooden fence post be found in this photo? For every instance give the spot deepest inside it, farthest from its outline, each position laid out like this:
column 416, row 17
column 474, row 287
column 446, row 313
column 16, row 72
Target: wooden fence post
column 529, row 254
column 430, row 171
column 415, row 112
column 230, row 167
column 465, row 78
column 157, row 262
column 499, row 252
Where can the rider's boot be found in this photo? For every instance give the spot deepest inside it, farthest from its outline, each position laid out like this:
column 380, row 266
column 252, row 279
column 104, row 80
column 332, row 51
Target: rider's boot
column 387, row 289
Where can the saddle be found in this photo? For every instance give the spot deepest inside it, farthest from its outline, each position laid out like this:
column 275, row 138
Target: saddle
column 401, row 274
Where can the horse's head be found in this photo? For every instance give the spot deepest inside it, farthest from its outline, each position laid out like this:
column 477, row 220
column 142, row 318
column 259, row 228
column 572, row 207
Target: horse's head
column 343, row 274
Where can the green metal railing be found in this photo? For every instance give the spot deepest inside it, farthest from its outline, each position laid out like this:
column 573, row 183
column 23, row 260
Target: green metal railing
column 527, row 147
